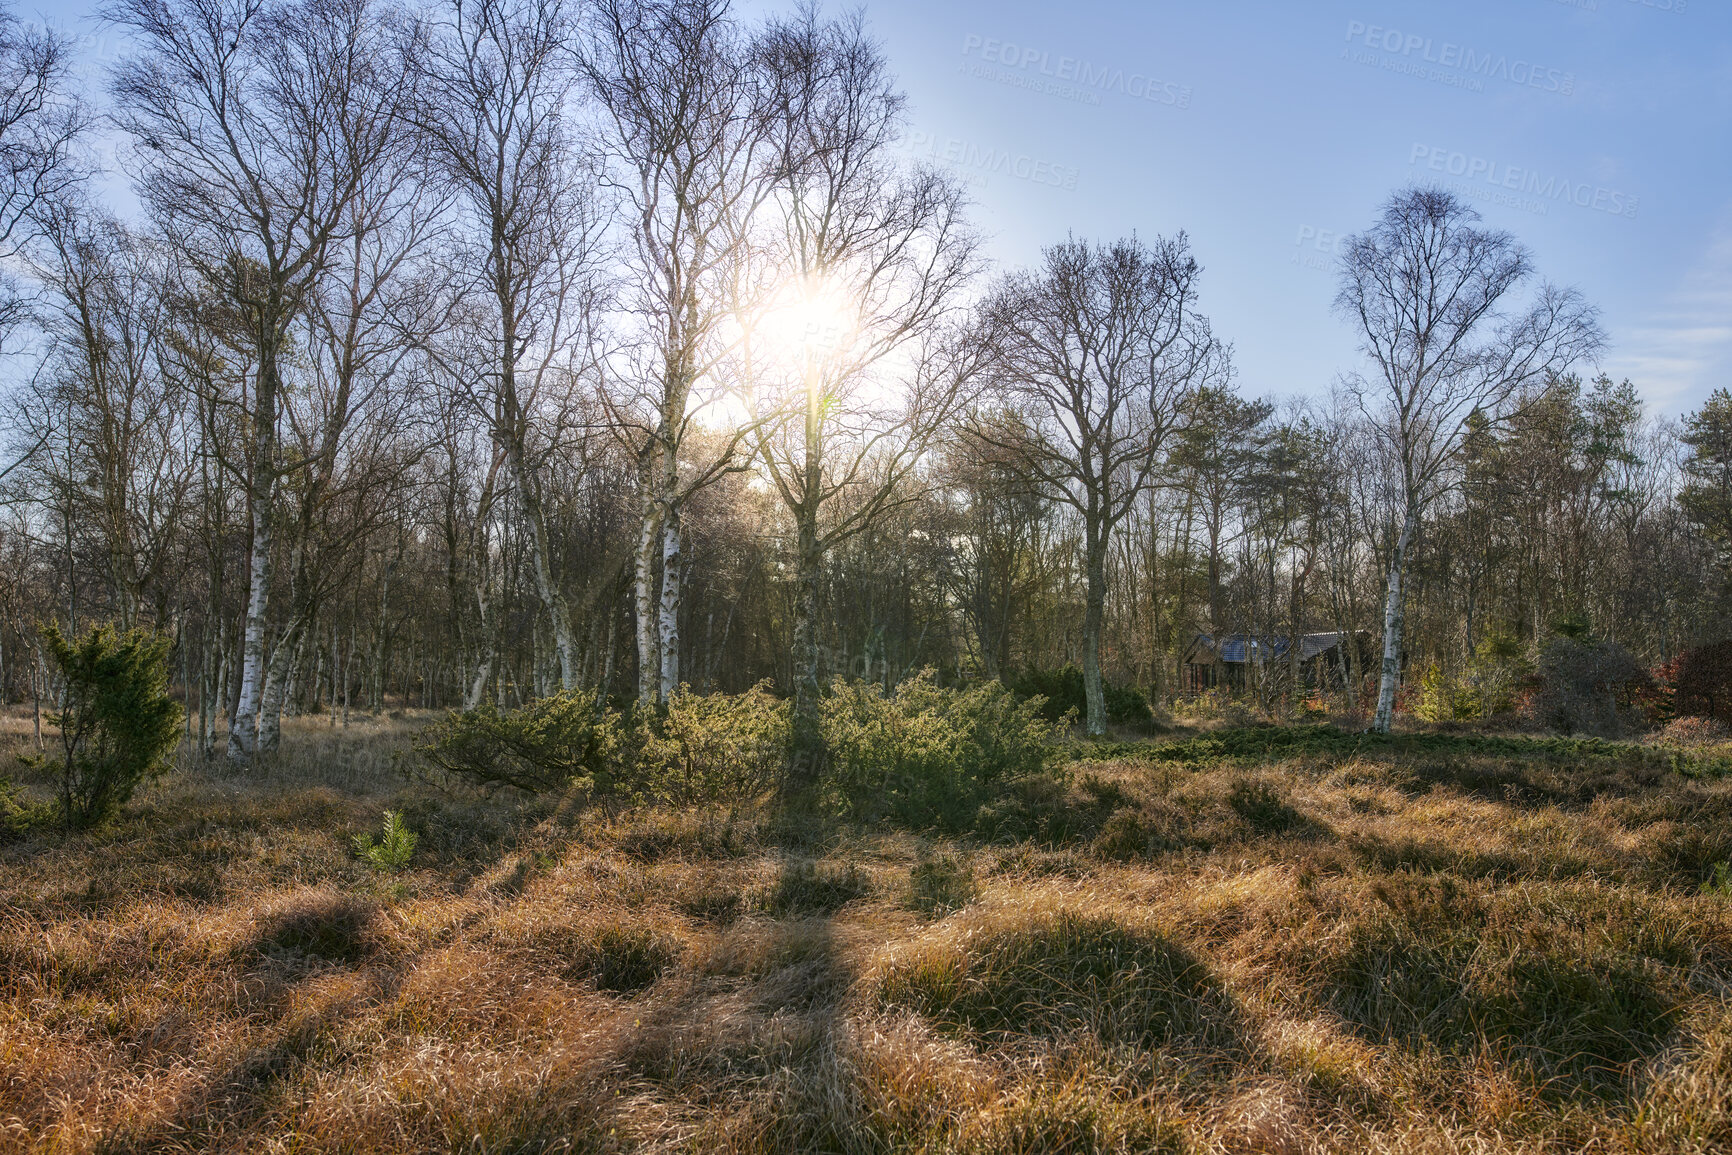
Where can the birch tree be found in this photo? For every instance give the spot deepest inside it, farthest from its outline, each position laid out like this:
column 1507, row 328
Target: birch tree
column 254, row 123
column 40, row 122
column 873, row 258
column 685, row 121
column 125, row 424
column 1098, row 350
column 497, row 103
column 350, row 431
column 1441, row 317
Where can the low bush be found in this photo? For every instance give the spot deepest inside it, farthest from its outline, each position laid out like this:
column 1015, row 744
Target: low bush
column 923, row 753
column 546, row 744
column 1442, row 697
column 1719, row 881
column 714, row 748
column 1062, row 691
column 16, row 815
column 1701, row 681
column 1485, row 687
column 1693, row 730
column 118, row 724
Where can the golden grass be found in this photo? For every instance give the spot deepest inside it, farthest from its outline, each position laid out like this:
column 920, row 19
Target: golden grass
column 1386, row 954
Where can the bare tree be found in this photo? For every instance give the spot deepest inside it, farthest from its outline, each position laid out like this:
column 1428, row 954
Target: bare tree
column 1351, row 485
column 497, row 93
column 352, row 430
column 685, row 124
column 873, row 260
column 1098, row 351
column 255, row 124
column 1434, row 298
column 40, row 122
column 103, row 396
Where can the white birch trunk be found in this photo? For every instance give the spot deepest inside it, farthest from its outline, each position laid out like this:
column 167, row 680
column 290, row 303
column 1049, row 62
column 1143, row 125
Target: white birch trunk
column 1392, row 622
column 648, row 644
column 564, row 641
column 670, row 607
column 270, row 719
column 484, row 660
column 243, row 727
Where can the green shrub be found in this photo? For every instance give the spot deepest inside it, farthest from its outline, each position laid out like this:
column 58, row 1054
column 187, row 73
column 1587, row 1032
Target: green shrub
column 1443, row 697
column 16, row 815
column 715, row 747
column 1062, row 691
column 546, row 744
column 922, row 753
column 1496, row 673
column 1720, row 881
column 703, row 748
column 118, row 725
column 395, row 847
column 1487, row 685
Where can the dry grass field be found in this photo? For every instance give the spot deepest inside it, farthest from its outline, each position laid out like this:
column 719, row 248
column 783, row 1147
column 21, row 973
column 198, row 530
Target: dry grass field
column 1434, row 945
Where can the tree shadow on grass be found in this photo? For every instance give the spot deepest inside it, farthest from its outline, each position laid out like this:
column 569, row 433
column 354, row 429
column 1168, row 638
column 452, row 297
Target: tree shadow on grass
column 316, row 966
column 747, row 1049
column 1057, row 975
column 1577, row 1016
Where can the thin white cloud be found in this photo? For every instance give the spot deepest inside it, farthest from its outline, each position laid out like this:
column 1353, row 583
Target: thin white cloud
column 1683, row 350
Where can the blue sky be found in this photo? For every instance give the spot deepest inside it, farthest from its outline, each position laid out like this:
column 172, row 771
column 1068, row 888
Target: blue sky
column 1595, row 130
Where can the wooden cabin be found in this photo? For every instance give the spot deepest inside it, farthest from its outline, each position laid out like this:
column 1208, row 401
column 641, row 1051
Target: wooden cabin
column 1227, row 661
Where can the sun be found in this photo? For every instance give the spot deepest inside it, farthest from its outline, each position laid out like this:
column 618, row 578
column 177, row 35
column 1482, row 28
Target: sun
column 809, row 316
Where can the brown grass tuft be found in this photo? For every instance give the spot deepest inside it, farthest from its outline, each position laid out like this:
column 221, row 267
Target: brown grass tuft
column 1390, row 950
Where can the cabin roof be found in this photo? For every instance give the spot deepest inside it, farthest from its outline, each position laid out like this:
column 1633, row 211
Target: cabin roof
column 1239, row 648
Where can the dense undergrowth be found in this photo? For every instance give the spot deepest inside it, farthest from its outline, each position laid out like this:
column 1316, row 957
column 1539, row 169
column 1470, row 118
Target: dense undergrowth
column 1286, row 940
column 922, row 754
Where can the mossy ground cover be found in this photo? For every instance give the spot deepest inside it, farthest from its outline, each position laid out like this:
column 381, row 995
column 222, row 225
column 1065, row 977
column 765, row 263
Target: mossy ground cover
column 1279, row 940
